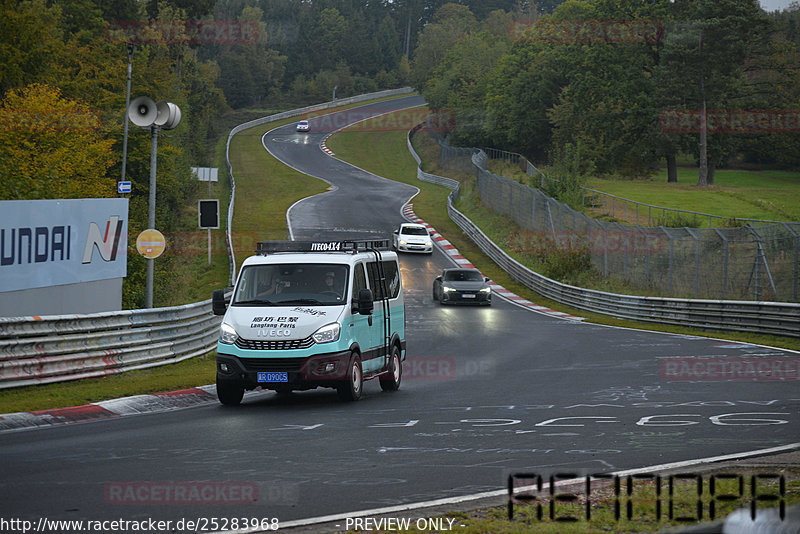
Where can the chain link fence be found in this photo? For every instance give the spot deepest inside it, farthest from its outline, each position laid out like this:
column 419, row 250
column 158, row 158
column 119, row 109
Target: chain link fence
column 758, row 261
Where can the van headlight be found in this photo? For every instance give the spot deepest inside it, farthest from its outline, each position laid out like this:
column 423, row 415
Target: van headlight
column 327, row 334
column 227, row 334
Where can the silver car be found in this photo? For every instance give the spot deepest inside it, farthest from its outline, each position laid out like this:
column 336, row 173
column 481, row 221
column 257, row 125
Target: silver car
column 462, row 285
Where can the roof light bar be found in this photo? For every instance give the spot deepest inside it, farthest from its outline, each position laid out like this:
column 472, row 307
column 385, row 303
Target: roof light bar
column 352, row 246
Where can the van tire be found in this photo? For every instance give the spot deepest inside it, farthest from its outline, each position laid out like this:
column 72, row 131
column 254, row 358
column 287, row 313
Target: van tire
column 229, row 392
column 350, row 389
column 391, row 380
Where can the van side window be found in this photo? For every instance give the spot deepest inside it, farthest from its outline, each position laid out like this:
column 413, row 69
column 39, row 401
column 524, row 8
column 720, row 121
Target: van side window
column 359, row 279
column 392, row 279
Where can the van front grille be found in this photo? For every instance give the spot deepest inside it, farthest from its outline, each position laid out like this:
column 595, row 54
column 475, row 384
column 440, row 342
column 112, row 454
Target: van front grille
column 282, row 344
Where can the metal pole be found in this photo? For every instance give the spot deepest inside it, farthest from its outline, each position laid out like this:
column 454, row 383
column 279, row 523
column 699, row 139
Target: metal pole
column 151, row 209
column 125, row 120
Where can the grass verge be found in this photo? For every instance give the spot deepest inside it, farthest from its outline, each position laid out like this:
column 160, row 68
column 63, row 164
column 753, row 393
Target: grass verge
column 614, row 510
column 744, row 194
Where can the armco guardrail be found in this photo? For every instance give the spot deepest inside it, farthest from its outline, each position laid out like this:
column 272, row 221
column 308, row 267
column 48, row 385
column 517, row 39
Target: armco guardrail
column 777, row 318
column 40, row 350
column 277, row 117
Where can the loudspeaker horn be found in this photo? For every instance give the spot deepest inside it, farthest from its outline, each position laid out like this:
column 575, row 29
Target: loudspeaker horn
column 168, row 116
column 142, row 112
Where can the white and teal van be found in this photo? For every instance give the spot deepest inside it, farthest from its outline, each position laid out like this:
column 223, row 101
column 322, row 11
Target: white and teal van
column 304, row 315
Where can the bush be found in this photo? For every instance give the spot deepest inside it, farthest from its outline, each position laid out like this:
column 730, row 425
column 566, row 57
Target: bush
column 567, row 175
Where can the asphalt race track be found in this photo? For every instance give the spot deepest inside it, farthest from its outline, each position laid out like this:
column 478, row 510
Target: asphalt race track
column 486, row 392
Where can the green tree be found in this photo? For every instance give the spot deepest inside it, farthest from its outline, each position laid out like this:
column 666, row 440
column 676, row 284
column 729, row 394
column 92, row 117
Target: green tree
column 461, row 81
column 709, row 49
column 451, row 23
column 30, row 42
column 52, row 147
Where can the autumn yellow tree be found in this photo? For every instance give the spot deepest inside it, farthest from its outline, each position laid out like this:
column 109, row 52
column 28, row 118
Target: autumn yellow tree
column 52, row 147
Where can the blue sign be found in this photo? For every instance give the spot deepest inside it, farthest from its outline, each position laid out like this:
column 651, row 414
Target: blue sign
column 123, row 187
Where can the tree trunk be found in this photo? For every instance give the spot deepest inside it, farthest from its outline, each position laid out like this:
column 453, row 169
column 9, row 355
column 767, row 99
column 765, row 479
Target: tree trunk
column 672, row 169
column 703, row 180
column 407, row 43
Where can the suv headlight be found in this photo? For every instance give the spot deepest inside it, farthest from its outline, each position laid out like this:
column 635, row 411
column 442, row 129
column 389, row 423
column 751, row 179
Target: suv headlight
column 486, row 290
column 327, row 334
column 227, row 334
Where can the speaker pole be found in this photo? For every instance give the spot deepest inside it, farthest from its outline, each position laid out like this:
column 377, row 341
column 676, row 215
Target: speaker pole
column 151, row 210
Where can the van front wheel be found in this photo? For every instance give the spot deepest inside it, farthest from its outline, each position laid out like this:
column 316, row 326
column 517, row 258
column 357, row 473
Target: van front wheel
column 229, row 392
column 350, row 388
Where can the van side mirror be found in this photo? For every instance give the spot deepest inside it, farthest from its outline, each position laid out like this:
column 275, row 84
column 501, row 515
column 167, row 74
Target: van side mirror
column 365, row 302
column 218, row 304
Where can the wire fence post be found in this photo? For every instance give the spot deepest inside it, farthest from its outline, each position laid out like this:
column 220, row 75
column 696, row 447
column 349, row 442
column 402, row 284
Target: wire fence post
column 724, row 262
column 696, row 262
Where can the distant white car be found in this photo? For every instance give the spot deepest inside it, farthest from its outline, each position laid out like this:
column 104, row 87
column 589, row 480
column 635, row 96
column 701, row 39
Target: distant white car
column 413, row 237
column 303, row 126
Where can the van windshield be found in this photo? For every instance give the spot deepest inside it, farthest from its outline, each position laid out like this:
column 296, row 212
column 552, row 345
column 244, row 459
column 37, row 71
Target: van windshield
column 292, row 283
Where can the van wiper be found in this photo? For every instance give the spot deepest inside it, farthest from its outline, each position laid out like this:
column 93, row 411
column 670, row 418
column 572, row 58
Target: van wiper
column 252, row 302
column 301, row 301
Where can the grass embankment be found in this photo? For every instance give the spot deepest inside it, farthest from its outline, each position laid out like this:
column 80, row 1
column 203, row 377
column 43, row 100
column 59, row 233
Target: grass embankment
column 265, row 188
column 736, row 194
column 384, row 153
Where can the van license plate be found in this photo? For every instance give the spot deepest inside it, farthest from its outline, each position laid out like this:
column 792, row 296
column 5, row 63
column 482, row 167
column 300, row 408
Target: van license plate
column 264, row 377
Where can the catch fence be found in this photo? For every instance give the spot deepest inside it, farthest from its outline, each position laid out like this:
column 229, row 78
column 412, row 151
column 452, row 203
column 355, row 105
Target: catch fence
column 757, row 261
